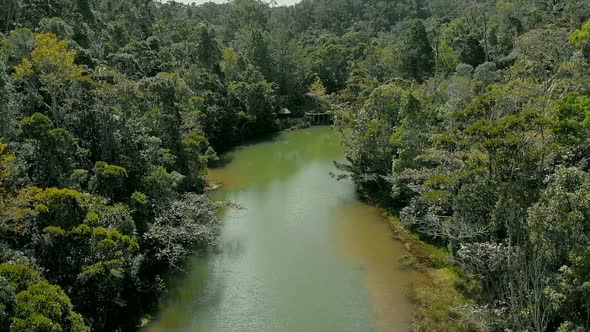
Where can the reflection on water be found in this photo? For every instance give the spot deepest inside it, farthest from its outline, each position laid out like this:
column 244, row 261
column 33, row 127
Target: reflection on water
column 304, row 255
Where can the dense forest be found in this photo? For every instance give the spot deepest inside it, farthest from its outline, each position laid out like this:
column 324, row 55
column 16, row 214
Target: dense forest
column 469, row 118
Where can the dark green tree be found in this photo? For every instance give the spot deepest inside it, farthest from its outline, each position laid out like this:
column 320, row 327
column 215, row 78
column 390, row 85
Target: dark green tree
column 415, row 52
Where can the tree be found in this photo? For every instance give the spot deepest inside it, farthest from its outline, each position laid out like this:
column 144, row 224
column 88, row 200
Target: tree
column 369, row 149
column 464, row 41
column 256, row 103
column 109, row 180
column 560, row 232
column 9, row 18
column 189, row 223
column 160, row 186
column 6, row 166
column 105, row 282
column 169, row 101
column 39, row 306
column 56, row 26
column 558, row 220
column 33, row 11
column 7, row 304
column 416, row 56
column 45, row 307
column 208, row 51
column 328, row 61
column 55, row 150
column 229, row 64
column 573, row 126
column 51, row 67
column 541, row 52
column 8, row 107
column 580, row 39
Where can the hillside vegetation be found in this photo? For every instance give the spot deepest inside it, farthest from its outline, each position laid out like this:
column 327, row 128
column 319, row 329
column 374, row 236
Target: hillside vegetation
column 471, row 119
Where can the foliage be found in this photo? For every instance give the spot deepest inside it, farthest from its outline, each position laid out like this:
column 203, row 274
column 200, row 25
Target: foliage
column 37, row 305
column 416, row 58
column 6, row 160
column 190, row 222
column 470, row 117
column 580, row 39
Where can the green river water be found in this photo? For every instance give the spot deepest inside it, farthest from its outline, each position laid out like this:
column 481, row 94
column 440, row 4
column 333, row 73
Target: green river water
column 305, row 254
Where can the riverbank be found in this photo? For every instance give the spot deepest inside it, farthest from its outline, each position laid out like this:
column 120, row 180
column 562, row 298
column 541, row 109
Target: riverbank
column 440, row 294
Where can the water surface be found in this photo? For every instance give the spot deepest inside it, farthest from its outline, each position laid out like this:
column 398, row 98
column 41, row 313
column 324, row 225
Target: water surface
column 305, row 254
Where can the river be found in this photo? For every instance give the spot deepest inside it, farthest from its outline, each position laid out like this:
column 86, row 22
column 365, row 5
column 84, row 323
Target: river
column 304, row 253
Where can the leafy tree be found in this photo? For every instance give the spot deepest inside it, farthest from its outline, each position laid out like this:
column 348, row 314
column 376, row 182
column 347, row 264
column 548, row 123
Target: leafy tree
column 573, row 125
column 145, row 58
column 109, row 180
column 55, row 152
column 328, row 60
column 56, row 26
column 61, row 207
column 6, row 160
column 111, row 110
column 39, row 306
column 208, row 51
column 19, row 276
column 580, row 39
column 369, row 149
column 561, row 234
column 462, row 38
column 35, row 10
column 190, row 222
column 45, row 307
column 169, row 102
column 229, row 64
column 10, row 10
column 51, row 67
column 485, row 73
column 160, row 186
column 416, row 56
column 317, row 91
column 8, row 107
column 7, row 304
column 195, row 156
column 257, row 105
column 542, row 52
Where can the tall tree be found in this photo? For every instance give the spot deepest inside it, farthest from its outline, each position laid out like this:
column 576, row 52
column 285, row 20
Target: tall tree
column 416, row 55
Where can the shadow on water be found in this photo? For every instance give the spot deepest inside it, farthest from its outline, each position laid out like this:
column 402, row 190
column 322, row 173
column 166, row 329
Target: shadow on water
column 227, row 155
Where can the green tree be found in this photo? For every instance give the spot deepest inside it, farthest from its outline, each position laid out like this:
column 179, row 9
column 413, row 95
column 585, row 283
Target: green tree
column 189, row 223
column 50, row 67
column 55, row 150
column 416, row 56
column 39, row 305
column 573, row 126
column 580, row 39
column 463, row 38
column 560, row 232
column 369, row 148
column 45, row 307
column 109, row 180
column 160, row 186
column 7, row 304
column 6, row 167
column 208, row 50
